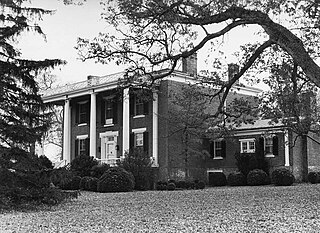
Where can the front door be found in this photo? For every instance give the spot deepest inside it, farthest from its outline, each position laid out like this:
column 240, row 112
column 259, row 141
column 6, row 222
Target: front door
column 108, row 147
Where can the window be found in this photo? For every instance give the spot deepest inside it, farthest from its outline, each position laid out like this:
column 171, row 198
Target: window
column 268, row 146
column 82, row 146
column 108, row 112
column 83, row 110
column 139, row 107
column 218, row 149
column 138, row 139
column 247, row 145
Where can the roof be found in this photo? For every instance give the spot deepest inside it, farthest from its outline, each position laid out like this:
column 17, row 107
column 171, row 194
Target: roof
column 259, row 124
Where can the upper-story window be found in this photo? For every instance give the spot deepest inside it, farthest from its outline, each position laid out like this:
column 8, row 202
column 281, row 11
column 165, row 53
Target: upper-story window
column 139, row 105
column 247, row 145
column 82, row 112
column 109, row 111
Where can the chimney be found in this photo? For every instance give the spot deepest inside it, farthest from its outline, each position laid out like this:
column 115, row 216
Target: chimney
column 232, row 70
column 189, row 65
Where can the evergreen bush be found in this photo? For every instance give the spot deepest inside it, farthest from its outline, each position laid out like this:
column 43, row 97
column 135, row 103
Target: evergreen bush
column 236, row 179
column 84, row 183
column 161, row 185
column 247, row 162
column 200, row 185
column 257, row 177
column 99, row 169
column 217, row 179
column 313, row 177
column 116, row 179
column 92, row 184
column 83, row 164
column 171, row 186
column 282, row 177
column 139, row 164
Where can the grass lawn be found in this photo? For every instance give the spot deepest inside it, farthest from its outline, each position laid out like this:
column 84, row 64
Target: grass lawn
column 224, row 209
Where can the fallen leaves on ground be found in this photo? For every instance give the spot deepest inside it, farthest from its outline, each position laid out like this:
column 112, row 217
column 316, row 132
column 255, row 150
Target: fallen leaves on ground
column 224, row 209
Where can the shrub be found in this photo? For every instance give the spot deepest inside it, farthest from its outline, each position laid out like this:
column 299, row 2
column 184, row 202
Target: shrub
column 313, row 177
column 161, row 185
column 116, row 179
column 92, row 184
column 282, row 177
column 200, row 185
column 171, row 186
column 139, row 164
column 236, row 179
column 45, row 162
column 257, row 177
column 83, row 183
column 98, row 170
column 217, row 179
column 247, row 162
column 72, row 184
column 190, row 185
column 181, row 184
column 82, row 165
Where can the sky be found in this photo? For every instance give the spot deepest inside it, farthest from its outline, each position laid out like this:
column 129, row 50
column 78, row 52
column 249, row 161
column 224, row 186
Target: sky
column 70, row 22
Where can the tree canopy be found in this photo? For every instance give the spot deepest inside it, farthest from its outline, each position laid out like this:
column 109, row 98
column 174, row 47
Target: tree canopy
column 22, row 117
column 151, row 34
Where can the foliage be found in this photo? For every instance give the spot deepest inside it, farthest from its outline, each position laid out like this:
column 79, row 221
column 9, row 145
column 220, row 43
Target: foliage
column 171, row 186
column 257, row 177
column 236, row 179
column 200, row 185
column 139, row 164
column 116, row 179
column 92, row 184
column 161, row 185
column 217, row 179
column 23, row 120
column 247, row 162
column 282, row 177
column 45, row 162
column 83, row 164
column 65, row 179
column 98, row 170
column 84, row 182
column 313, row 177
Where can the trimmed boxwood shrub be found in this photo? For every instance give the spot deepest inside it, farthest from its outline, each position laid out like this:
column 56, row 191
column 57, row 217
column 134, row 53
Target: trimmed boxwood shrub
column 171, row 186
column 313, row 177
column 92, row 184
column 282, row 177
column 257, row 177
column 236, row 179
column 83, row 164
column 200, row 185
column 99, row 169
column 217, row 179
column 161, row 185
column 72, row 184
column 83, row 183
column 116, row 179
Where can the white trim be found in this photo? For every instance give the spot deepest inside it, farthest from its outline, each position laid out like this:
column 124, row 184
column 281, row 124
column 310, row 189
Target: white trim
column 108, row 125
column 81, row 137
column 93, row 125
column 139, row 116
column 139, row 130
column 251, row 132
column 155, row 128
column 269, row 156
column 109, row 133
column 82, row 124
column 104, row 137
column 247, row 140
column 214, row 170
column 83, row 102
column 286, row 149
column 67, row 131
column 217, row 158
column 126, row 122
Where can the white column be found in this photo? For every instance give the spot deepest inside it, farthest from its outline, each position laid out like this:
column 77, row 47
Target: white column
column 126, row 120
column 286, row 149
column 66, row 132
column 155, row 131
column 93, row 124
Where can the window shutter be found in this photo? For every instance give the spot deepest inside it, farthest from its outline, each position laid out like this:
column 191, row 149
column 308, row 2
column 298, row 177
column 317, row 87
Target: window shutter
column 146, row 108
column 211, row 150
column 223, row 148
column 115, row 111
column 103, row 110
column 131, row 104
column 77, row 148
column 275, row 145
column 145, row 141
column 87, row 146
column 77, row 113
column 131, row 141
column 260, row 149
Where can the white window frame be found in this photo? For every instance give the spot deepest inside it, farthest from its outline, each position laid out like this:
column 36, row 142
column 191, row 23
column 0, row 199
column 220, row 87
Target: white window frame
column 108, row 121
column 269, row 155
column 247, row 141
column 214, row 148
column 81, row 138
column 78, row 113
column 136, row 132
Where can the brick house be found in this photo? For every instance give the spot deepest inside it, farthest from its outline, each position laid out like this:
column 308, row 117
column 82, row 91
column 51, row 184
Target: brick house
column 103, row 123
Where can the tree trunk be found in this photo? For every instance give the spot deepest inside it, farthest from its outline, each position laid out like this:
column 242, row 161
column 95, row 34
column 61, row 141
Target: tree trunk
column 300, row 159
